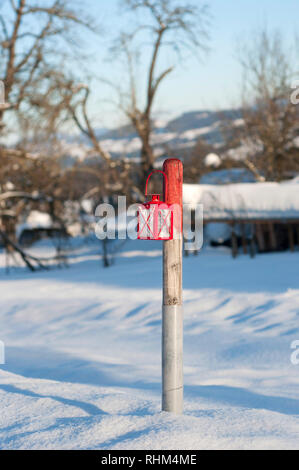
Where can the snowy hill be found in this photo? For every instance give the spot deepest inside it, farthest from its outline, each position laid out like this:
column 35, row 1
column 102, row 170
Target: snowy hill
column 181, row 132
column 83, row 368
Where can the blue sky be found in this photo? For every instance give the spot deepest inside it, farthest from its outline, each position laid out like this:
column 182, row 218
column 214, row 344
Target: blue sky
column 213, row 83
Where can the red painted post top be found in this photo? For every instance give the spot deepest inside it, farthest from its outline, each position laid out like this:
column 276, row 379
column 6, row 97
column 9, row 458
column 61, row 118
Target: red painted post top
column 173, row 168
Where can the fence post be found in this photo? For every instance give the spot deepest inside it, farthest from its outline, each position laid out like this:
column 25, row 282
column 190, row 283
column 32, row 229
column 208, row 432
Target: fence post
column 172, row 315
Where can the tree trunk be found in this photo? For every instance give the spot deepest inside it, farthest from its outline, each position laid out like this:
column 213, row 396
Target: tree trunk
column 147, row 162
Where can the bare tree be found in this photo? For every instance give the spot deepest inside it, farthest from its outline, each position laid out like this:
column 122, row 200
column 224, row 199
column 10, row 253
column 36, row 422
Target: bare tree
column 165, row 25
column 173, row 27
column 270, row 119
column 36, row 37
column 113, row 174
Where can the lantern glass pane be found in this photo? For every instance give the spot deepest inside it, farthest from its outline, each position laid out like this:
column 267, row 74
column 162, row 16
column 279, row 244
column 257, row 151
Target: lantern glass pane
column 164, row 223
column 146, row 222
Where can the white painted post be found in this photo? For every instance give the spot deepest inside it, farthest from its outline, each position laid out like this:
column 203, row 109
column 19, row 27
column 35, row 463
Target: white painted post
column 172, row 315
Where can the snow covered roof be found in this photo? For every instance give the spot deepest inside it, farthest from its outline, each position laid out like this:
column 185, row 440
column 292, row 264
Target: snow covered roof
column 34, row 220
column 245, row 200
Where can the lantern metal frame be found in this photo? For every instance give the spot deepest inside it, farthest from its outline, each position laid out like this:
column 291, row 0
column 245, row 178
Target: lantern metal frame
column 158, row 212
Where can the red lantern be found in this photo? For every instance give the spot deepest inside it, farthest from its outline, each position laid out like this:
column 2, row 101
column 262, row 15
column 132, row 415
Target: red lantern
column 155, row 217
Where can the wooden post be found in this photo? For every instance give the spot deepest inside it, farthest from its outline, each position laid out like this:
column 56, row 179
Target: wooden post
column 244, row 241
column 172, row 317
column 297, row 231
column 252, row 240
column 234, row 242
column 260, row 237
column 273, row 241
column 291, row 237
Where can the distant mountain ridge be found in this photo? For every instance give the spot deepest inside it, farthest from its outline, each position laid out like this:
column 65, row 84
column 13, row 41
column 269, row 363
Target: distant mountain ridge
column 181, row 132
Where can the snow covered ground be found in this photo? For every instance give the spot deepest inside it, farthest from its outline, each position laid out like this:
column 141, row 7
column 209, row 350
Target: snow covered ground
column 83, row 354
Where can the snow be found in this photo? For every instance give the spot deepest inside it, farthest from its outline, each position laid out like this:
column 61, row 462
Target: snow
column 83, row 353
column 9, row 186
column 162, row 138
column 294, row 180
column 212, row 159
column 176, row 132
column 239, row 122
column 192, row 134
column 121, row 145
column 38, row 219
column 87, row 205
column 35, row 219
column 244, row 200
column 247, row 149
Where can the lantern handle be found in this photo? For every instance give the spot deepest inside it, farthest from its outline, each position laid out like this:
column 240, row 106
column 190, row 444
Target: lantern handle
column 165, row 180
